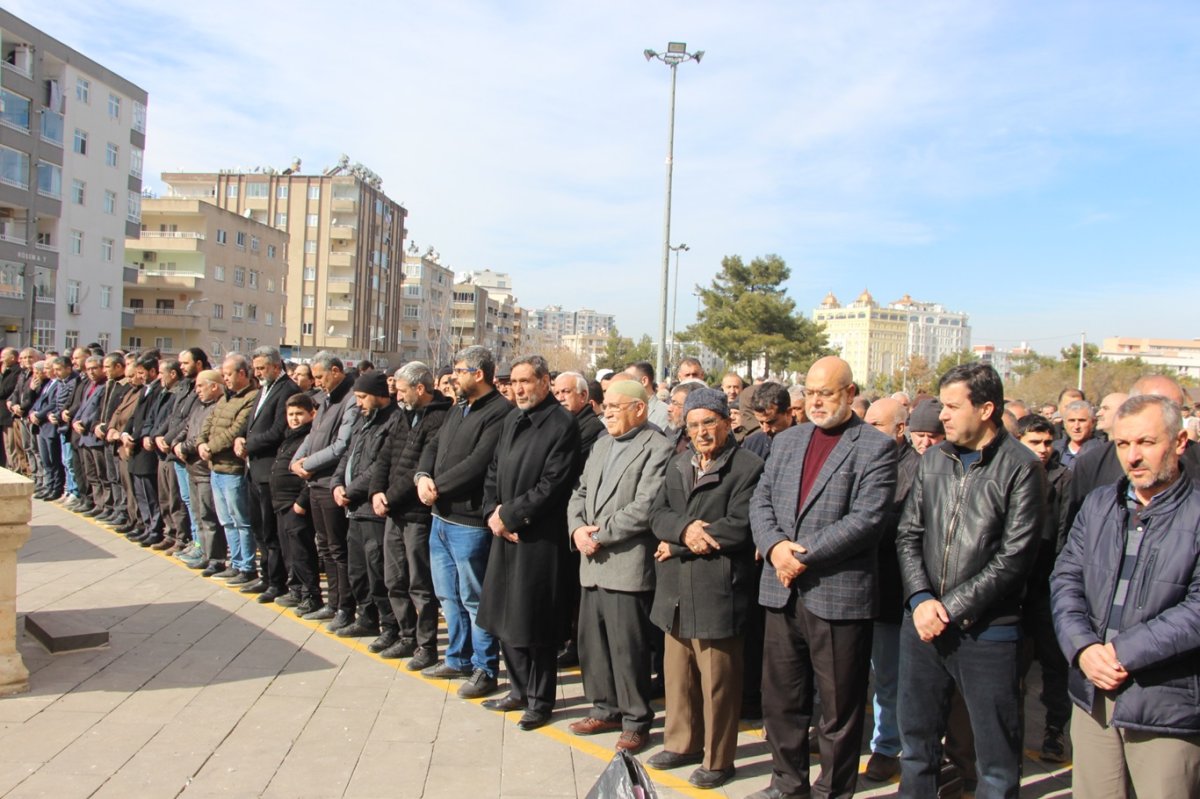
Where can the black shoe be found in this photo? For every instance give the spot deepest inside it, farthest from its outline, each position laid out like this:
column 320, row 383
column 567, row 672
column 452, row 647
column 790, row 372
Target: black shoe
column 271, row 595
column 400, row 648
column 213, row 569
column 243, row 578
column 569, row 656
column 422, row 659
column 505, row 704
column 197, row 565
column 710, row 778
column 771, row 792
column 1053, row 749
column 881, row 768
column 668, row 760
column 532, row 719
column 361, row 628
column 343, row 618
column 150, row 539
column 387, row 637
column 323, row 613
column 480, row 683
column 290, row 599
column 93, row 512
column 441, row 670
column 256, row 587
column 307, row 606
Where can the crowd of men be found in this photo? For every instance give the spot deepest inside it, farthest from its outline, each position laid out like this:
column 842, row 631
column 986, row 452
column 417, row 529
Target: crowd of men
column 798, row 553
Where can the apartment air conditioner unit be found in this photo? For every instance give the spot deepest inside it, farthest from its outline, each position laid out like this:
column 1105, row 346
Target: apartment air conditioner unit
column 149, row 256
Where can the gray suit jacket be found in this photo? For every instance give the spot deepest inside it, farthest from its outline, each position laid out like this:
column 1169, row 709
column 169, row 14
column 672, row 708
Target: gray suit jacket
column 840, row 524
column 621, row 508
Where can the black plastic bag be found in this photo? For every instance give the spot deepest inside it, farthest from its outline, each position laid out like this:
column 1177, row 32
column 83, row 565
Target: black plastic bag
column 623, row 778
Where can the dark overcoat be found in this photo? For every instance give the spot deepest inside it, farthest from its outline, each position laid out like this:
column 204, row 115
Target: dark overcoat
column 530, row 479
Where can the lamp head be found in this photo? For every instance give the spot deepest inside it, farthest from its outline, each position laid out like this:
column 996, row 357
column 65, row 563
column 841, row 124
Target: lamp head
column 650, row 54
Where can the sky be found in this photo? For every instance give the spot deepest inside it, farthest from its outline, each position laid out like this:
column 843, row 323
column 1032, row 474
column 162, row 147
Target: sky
column 1032, row 164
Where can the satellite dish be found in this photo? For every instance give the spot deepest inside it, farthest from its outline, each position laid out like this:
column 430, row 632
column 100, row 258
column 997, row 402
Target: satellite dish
column 329, row 330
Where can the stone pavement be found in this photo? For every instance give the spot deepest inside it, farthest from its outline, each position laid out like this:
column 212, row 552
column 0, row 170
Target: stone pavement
column 203, row 692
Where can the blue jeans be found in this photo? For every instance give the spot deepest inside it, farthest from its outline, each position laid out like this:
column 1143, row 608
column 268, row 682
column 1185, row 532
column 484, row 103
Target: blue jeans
column 986, row 675
column 185, row 493
column 231, row 495
column 50, row 451
column 458, row 556
column 885, row 662
column 68, row 457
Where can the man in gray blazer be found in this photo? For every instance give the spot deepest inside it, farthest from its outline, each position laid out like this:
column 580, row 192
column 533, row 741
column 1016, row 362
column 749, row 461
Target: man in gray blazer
column 817, row 516
column 609, row 520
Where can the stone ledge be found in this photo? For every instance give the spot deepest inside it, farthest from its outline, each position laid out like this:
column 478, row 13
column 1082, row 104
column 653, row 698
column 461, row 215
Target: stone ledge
column 64, row 631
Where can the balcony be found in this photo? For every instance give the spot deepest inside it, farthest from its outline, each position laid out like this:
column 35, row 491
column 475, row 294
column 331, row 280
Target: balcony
column 345, row 204
column 339, row 312
column 166, row 319
column 342, row 231
column 13, row 234
column 342, row 259
column 172, row 240
column 340, row 340
column 52, row 127
column 180, row 281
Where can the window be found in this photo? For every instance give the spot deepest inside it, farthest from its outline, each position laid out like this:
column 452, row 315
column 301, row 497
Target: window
column 252, row 312
column 280, row 220
column 306, row 328
column 72, row 339
column 135, row 162
column 412, row 312
column 218, row 311
column 43, row 285
column 135, row 342
column 270, row 321
column 313, row 220
column 43, row 334
column 271, row 284
column 314, row 192
column 239, row 311
column 83, row 90
column 73, row 287
column 218, row 272
column 110, row 154
column 412, row 290
column 253, row 278
column 241, row 240
column 164, row 343
column 239, row 276
column 222, row 236
column 14, row 110
column 134, row 211
column 281, row 191
column 76, row 242
column 104, row 339
column 114, row 106
column 139, row 117
column 310, row 273
column 106, row 296
column 257, row 191
column 106, row 250
column 231, row 190
column 14, row 168
column 310, row 245
column 310, row 301
column 270, row 250
column 49, row 179
column 110, row 202
column 77, row 190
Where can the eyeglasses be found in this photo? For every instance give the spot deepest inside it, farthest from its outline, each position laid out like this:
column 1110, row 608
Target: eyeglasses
column 617, row 407
column 708, row 424
column 466, row 370
column 824, row 393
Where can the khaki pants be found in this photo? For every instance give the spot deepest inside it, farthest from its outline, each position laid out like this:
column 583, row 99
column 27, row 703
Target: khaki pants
column 1109, row 760
column 704, row 697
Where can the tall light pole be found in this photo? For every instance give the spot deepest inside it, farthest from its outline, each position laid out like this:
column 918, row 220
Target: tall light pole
column 676, row 54
column 675, row 299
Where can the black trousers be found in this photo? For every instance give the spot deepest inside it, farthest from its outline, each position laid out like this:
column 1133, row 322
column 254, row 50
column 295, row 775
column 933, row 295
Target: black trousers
column 300, row 550
column 266, row 536
column 409, row 581
column 145, row 488
column 802, row 651
column 614, row 653
column 331, row 527
column 365, row 566
column 532, row 675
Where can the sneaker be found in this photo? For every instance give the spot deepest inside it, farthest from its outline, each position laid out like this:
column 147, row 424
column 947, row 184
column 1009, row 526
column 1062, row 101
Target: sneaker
column 1054, row 749
column 479, row 684
column 401, row 648
column 227, row 574
column 422, row 659
column 243, row 578
column 213, row 569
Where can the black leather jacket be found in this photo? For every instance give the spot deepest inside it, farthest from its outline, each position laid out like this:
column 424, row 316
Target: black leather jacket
column 970, row 537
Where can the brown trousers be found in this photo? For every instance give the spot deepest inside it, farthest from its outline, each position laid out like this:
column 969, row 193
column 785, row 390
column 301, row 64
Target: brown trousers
column 704, row 697
column 14, row 448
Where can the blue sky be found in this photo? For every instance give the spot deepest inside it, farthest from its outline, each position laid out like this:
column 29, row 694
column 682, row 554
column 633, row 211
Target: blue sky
column 1035, row 165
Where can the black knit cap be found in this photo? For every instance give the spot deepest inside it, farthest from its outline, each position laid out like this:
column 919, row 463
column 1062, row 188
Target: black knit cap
column 373, row 382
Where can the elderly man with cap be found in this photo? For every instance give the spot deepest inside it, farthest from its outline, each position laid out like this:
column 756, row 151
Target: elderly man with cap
column 377, row 423
column 705, row 575
column 609, row 520
column 925, row 428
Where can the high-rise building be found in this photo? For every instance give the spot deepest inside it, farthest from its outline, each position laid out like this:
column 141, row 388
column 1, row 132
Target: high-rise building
column 72, row 135
column 344, row 286
column 557, row 322
column 933, row 332
column 201, row 276
column 503, row 335
column 425, row 328
column 871, row 339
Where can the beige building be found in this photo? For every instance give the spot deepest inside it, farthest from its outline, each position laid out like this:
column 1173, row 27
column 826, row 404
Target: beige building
column 871, row 339
column 1179, row 354
column 588, row 347
column 201, row 276
column 425, row 328
column 933, row 331
column 72, row 136
column 344, row 284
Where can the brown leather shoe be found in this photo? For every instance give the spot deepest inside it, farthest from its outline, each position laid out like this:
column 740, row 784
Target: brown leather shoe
column 591, row 726
column 164, row 545
column 632, row 742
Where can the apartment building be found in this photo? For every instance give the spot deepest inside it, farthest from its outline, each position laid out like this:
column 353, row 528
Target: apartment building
column 871, row 339
column 344, row 283
column 933, row 331
column 72, row 137
column 425, row 328
column 558, row 322
column 201, row 276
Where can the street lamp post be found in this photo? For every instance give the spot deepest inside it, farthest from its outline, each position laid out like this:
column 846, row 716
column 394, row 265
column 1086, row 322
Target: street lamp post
column 675, row 299
column 676, row 54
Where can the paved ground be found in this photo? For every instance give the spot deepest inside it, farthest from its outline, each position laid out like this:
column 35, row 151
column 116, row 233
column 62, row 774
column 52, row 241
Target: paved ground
column 203, row 692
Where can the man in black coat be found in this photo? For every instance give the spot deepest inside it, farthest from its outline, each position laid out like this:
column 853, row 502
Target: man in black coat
column 525, row 502
column 264, row 434
column 10, row 372
column 143, row 465
column 406, row 570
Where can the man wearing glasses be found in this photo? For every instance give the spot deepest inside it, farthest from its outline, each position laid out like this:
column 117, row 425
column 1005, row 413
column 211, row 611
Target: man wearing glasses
column 817, row 516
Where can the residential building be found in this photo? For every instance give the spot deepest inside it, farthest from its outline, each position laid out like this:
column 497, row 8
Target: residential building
column 502, row 336
column 873, row 340
column 933, row 332
column 425, row 329
column 201, row 276
column 558, row 323
column 588, row 347
column 1000, row 360
column 344, row 286
column 72, row 137
column 1179, row 354
column 470, row 322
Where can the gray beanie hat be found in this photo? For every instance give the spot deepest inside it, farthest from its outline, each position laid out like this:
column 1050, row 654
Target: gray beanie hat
column 924, row 418
column 709, row 399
